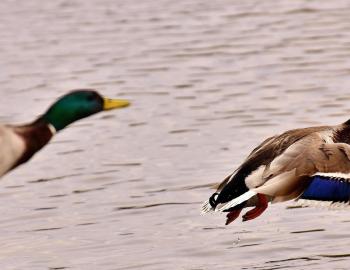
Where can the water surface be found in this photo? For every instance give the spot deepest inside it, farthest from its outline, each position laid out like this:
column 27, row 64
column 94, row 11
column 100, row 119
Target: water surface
column 208, row 80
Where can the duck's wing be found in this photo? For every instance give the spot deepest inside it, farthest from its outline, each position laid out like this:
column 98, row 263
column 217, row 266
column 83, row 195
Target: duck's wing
column 253, row 159
column 290, row 173
column 269, row 149
column 276, row 145
column 311, row 155
column 327, row 189
column 250, row 172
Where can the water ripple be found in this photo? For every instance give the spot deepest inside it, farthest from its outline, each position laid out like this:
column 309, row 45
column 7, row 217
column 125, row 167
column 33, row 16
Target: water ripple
column 208, row 81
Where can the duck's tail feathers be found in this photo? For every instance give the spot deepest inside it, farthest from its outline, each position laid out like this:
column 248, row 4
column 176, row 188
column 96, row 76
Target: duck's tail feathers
column 244, row 197
column 206, row 208
column 327, row 191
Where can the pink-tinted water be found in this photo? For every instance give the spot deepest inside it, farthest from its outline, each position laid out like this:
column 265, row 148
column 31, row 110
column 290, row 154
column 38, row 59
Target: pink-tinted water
column 208, row 80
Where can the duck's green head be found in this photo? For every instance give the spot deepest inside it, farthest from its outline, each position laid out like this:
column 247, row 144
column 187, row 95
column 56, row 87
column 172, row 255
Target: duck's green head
column 77, row 105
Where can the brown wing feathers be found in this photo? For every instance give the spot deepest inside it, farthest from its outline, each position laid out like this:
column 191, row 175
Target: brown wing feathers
column 286, row 164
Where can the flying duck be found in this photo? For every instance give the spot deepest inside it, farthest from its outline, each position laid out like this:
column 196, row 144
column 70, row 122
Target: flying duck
column 19, row 143
column 312, row 164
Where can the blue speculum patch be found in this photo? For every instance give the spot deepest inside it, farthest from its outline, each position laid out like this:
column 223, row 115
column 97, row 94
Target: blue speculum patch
column 324, row 188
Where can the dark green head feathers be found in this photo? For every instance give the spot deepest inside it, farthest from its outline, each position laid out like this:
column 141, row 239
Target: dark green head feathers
column 79, row 104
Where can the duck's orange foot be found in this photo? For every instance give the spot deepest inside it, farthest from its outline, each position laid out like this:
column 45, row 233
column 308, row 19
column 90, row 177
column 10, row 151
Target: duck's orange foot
column 232, row 216
column 258, row 210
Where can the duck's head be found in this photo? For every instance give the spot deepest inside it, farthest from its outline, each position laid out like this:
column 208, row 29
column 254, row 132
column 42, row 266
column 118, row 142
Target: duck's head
column 77, row 105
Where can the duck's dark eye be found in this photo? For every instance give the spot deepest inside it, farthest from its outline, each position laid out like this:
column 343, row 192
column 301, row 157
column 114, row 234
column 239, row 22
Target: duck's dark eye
column 91, row 97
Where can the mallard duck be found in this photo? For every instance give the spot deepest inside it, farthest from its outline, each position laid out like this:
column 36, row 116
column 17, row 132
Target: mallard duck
column 19, row 143
column 312, row 164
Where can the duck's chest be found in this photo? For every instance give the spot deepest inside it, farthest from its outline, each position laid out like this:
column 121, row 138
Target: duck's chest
column 12, row 148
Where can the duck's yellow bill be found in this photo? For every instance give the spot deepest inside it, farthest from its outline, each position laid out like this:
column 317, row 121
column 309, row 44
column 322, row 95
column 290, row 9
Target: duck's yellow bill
column 110, row 104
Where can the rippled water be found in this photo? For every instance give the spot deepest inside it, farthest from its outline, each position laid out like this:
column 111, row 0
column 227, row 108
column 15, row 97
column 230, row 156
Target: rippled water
column 208, row 81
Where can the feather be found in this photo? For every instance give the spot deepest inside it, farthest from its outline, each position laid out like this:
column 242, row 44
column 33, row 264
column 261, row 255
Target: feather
column 312, row 164
column 244, row 197
column 206, row 208
column 12, row 148
column 325, row 188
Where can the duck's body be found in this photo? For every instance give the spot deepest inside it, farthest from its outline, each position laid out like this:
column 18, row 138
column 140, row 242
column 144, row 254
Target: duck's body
column 12, row 147
column 282, row 168
column 19, row 143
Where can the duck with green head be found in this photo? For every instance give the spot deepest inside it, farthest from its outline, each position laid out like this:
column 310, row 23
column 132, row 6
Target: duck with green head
column 19, row 143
